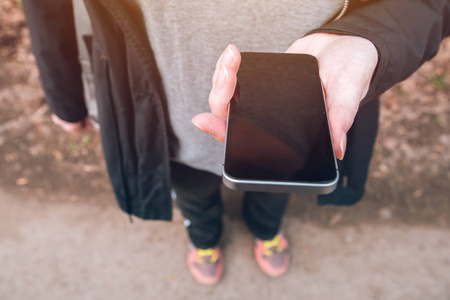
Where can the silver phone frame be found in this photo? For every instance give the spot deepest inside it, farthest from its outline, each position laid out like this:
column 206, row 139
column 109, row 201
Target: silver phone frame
column 281, row 186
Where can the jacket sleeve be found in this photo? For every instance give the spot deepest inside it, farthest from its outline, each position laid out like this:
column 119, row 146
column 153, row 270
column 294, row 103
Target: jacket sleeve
column 53, row 40
column 406, row 33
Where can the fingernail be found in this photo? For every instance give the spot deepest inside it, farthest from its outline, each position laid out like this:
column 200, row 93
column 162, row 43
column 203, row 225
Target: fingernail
column 199, row 127
column 341, row 145
column 222, row 78
column 229, row 57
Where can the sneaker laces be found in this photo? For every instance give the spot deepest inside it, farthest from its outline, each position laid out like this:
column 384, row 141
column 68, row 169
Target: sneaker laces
column 275, row 242
column 202, row 254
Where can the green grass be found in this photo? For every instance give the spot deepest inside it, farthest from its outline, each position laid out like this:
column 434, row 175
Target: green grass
column 401, row 93
column 86, row 138
column 439, row 81
column 439, row 119
column 74, row 147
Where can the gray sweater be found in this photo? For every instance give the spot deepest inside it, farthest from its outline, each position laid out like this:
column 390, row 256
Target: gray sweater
column 189, row 36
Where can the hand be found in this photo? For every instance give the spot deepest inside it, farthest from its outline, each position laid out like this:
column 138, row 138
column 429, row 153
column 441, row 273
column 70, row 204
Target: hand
column 346, row 66
column 73, row 128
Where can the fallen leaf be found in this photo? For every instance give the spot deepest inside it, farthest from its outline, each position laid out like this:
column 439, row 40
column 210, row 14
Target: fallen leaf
column 22, row 181
column 336, row 218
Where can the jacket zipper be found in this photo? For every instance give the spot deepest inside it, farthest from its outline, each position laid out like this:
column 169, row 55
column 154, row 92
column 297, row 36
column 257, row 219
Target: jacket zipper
column 343, row 11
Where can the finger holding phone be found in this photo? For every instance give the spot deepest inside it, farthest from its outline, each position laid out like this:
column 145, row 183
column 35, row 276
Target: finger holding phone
column 346, row 66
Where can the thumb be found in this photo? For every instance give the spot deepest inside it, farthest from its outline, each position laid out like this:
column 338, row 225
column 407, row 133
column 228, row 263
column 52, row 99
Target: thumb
column 339, row 137
column 211, row 124
column 341, row 119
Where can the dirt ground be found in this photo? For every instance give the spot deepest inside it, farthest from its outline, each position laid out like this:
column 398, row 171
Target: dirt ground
column 409, row 179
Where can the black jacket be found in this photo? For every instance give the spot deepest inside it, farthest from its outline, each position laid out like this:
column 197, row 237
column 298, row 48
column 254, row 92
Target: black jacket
column 137, row 139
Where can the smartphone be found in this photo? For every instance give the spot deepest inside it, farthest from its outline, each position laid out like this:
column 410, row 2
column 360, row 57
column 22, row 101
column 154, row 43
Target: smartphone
column 278, row 134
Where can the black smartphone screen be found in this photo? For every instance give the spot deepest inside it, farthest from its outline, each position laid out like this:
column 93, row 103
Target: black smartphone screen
column 278, row 127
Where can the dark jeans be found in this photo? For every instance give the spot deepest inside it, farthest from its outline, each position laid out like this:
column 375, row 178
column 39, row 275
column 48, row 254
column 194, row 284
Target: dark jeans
column 53, row 41
column 198, row 197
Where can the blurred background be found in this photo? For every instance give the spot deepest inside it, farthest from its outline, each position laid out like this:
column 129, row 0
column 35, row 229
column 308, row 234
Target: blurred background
column 62, row 234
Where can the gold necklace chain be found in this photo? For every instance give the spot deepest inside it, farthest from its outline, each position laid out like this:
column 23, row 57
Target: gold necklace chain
column 343, row 11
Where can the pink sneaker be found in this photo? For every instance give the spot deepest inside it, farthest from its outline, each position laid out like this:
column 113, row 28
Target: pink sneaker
column 206, row 265
column 273, row 256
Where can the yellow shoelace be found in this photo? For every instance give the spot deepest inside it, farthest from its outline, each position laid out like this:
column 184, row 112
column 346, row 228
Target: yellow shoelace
column 275, row 242
column 202, row 253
